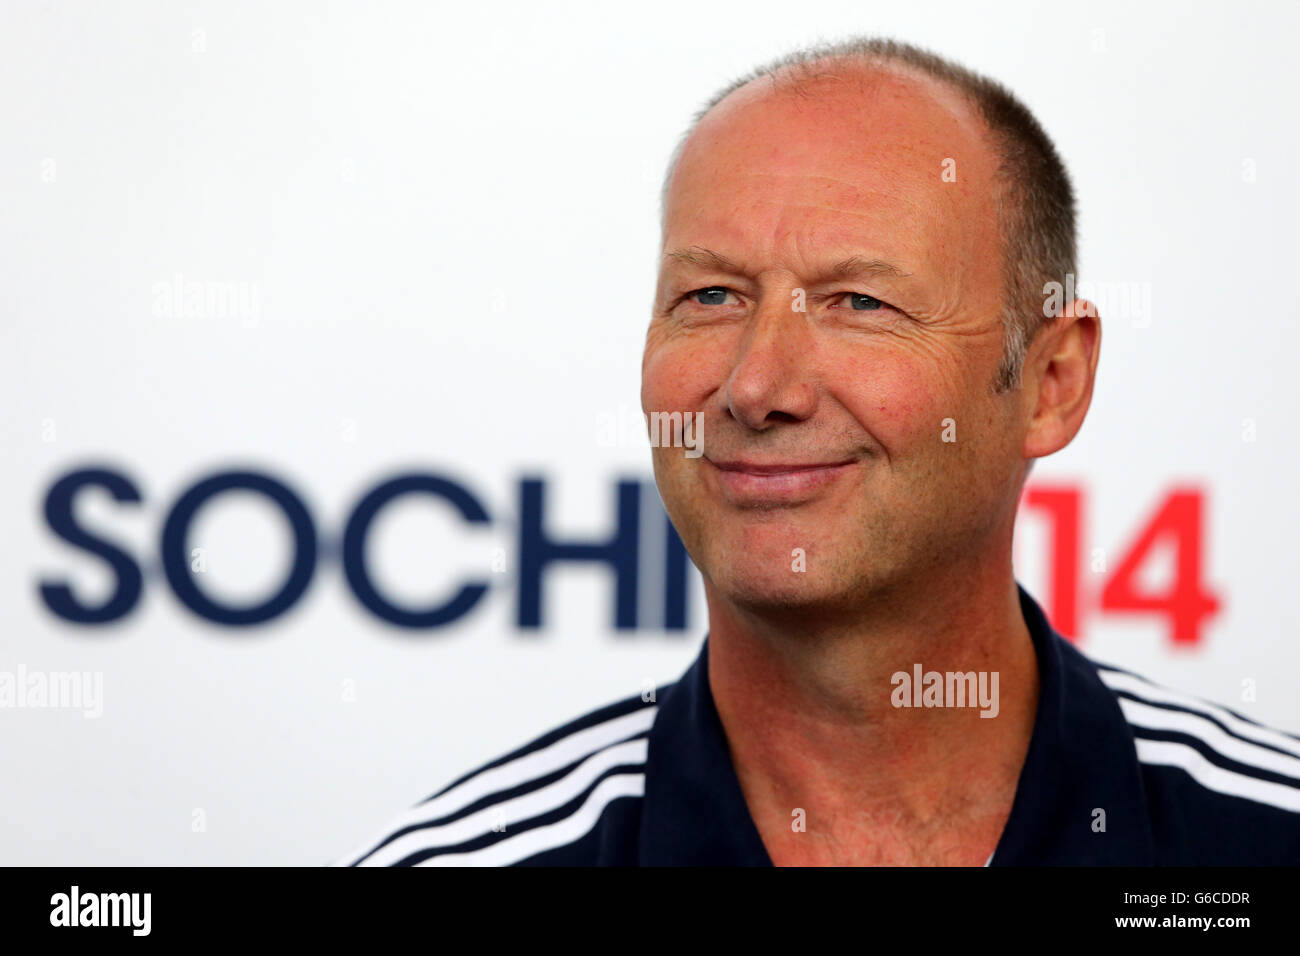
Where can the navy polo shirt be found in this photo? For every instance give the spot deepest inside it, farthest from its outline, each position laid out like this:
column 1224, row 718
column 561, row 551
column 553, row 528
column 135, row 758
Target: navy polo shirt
column 1179, row 781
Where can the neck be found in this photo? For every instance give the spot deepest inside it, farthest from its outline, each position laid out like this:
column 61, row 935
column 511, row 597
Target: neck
column 812, row 720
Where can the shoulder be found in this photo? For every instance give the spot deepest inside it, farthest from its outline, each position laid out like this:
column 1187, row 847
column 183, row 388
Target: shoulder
column 568, row 797
column 1222, row 789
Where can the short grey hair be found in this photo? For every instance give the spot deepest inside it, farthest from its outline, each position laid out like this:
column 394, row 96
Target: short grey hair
column 1035, row 198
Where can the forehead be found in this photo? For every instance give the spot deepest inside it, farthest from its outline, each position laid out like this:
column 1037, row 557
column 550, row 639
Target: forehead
column 846, row 164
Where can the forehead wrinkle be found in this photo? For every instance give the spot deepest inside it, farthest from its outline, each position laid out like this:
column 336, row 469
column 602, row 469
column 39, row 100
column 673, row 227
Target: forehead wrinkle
column 830, row 179
column 858, row 190
column 915, row 206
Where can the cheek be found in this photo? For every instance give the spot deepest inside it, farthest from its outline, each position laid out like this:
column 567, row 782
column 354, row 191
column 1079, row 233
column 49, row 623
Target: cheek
column 900, row 400
column 677, row 376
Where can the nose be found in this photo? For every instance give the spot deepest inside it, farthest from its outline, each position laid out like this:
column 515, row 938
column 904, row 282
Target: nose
column 771, row 380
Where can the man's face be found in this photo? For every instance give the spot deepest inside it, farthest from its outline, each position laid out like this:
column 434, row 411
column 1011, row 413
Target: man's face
column 855, row 445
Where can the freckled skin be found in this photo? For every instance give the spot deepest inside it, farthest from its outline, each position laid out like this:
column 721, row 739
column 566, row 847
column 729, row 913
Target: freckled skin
column 907, row 551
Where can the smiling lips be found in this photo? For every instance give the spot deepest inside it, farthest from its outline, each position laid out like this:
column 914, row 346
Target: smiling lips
column 776, row 483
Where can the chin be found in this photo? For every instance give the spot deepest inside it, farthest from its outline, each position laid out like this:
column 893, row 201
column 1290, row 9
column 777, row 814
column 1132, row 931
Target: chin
column 758, row 595
column 774, row 560
column 766, row 579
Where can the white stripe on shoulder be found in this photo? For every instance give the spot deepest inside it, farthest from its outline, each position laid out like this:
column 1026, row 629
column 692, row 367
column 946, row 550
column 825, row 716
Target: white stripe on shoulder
column 1119, row 680
column 554, row 835
column 530, row 766
column 520, row 808
column 1212, row 735
column 1212, row 777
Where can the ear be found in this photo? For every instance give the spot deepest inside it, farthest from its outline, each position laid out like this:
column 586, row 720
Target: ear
column 1060, row 368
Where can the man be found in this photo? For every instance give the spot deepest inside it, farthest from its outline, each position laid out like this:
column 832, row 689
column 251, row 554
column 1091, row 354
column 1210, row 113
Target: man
column 850, row 304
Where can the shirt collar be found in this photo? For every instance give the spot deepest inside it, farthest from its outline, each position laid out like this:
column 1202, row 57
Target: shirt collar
column 1081, row 760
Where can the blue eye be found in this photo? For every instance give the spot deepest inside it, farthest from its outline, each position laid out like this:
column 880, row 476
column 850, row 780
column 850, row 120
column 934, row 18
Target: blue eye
column 863, row 302
column 713, row 295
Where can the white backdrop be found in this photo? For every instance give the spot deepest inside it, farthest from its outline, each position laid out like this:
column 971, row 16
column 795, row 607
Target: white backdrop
column 336, row 242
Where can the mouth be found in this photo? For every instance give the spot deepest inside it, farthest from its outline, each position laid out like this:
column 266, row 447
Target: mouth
column 775, row 483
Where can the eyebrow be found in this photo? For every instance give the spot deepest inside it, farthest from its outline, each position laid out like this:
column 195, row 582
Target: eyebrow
column 853, row 266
